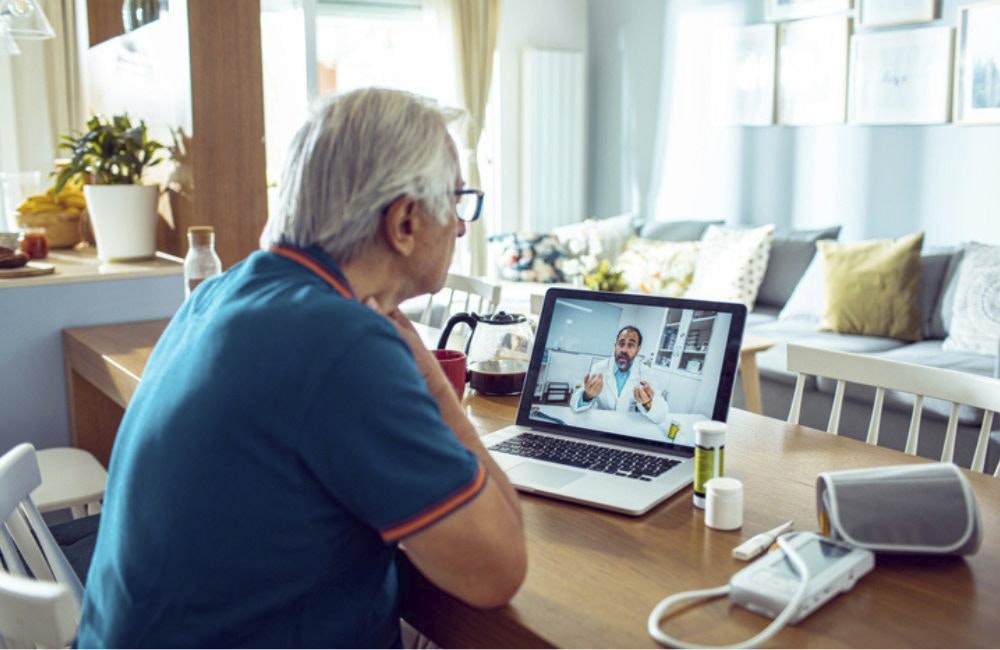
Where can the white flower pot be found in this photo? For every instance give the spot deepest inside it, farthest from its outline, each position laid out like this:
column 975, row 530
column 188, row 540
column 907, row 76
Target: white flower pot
column 124, row 220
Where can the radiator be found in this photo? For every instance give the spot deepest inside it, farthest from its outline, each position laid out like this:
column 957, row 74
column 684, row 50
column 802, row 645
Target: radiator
column 553, row 156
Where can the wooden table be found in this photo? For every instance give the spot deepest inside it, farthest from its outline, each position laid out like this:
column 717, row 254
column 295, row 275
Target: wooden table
column 594, row 576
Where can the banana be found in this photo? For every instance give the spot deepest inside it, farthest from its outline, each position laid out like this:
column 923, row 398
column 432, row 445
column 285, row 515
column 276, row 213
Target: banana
column 73, row 200
column 70, row 198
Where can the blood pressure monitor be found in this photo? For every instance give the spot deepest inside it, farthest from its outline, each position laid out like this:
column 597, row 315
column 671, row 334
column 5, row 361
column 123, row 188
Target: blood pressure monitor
column 769, row 584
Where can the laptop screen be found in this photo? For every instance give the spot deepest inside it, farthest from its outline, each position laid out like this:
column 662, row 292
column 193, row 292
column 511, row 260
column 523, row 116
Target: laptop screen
column 640, row 367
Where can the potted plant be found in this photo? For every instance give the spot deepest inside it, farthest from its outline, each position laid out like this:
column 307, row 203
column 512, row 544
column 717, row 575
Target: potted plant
column 111, row 156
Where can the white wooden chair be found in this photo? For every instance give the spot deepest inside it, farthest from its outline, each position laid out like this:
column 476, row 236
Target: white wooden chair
column 460, row 293
column 883, row 374
column 71, row 478
column 40, row 595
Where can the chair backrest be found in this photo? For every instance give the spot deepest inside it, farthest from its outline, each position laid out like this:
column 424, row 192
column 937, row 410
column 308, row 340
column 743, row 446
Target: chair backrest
column 460, row 293
column 40, row 595
column 883, row 374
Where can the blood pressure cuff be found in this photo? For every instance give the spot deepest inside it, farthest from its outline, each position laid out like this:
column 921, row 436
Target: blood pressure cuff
column 927, row 508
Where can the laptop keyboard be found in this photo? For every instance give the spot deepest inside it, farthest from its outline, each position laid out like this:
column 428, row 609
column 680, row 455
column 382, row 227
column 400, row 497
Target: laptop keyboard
column 631, row 464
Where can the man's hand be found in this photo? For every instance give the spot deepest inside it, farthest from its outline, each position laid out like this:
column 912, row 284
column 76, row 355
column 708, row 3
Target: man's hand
column 644, row 394
column 592, row 386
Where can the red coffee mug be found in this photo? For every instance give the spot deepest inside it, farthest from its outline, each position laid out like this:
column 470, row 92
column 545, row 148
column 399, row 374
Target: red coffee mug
column 453, row 364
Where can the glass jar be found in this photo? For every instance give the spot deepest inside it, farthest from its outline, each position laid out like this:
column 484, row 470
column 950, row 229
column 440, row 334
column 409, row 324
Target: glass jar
column 201, row 261
column 34, row 243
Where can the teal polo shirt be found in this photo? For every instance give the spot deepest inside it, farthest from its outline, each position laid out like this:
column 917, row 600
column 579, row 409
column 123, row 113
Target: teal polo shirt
column 280, row 444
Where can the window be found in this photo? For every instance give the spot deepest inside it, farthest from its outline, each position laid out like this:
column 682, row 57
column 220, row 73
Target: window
column 315, row 47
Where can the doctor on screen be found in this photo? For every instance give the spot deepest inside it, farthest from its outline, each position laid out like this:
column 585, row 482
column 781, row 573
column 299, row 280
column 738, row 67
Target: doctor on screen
column 619, row 384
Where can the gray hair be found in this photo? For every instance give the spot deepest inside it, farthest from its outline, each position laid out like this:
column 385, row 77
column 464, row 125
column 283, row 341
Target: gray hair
column 356, row 154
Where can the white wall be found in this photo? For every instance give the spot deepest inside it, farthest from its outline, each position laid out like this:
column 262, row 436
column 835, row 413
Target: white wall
column 556, row 24
column 877, row 182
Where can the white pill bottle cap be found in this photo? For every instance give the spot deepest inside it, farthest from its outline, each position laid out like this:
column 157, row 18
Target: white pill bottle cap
column 709, row 433
column 724, row 503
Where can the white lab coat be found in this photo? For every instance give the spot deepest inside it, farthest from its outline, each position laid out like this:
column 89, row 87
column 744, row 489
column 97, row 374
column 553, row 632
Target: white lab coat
column 609, row 398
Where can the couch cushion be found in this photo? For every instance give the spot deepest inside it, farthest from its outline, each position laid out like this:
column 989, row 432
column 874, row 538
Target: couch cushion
column 791, row 253
column 873, row 287
column 731, row 264
column 934, row 264
column 773, row 363
column 685, row 230
column 975, row 325
column 941, row 320
column 761, row 315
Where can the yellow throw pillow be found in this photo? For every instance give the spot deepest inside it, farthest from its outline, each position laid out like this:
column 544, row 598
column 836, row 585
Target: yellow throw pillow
column 873, row 287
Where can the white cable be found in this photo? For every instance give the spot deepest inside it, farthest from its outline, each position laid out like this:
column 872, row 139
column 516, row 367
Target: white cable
column 664, row 639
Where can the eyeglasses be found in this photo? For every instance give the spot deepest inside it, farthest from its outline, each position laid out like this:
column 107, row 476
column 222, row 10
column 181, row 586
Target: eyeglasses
column 468, row 204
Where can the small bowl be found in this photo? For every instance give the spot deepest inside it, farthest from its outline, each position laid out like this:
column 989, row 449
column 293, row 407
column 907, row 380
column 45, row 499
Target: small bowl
column 9, row 240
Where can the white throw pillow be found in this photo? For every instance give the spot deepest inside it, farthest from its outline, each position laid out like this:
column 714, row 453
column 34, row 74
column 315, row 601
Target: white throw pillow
column 601, row 239
column 731, row 264
column 808, row 300
column 975, row 316
column 662, row 267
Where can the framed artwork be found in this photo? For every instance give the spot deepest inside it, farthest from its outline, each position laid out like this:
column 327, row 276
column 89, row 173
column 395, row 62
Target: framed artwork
column 812, row 71
column 977, row 64
column 874, row 13
column 777, row 10
column 742, row 61
column 901, row 77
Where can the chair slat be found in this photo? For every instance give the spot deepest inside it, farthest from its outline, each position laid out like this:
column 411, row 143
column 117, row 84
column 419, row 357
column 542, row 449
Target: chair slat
column 793, row 413
column 913, row 435
column 982, row 444
column 838, row 404
column 26, row 545
column 948, row 450
column 9, row 554
column 876, row 421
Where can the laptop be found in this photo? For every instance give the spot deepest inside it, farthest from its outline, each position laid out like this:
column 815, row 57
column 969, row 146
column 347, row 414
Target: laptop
column 613, row 388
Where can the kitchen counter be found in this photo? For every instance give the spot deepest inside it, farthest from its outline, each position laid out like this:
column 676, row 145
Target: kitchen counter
column 84, row 266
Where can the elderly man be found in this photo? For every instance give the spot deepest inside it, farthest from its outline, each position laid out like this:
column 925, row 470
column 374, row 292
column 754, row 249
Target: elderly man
column 619, row 384
column 291, row 431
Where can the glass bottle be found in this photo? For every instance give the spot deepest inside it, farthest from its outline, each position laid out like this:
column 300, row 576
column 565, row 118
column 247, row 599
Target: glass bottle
column 201, row 261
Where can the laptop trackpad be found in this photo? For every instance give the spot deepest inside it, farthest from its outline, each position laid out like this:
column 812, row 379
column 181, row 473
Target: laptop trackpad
column 542, row 476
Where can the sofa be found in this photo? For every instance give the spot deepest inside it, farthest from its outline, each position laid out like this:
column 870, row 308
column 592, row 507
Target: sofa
column 785, row 312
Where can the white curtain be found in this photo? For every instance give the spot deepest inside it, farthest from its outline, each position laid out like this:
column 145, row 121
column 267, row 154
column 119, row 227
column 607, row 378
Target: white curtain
column 40, row 94
column 475, row 24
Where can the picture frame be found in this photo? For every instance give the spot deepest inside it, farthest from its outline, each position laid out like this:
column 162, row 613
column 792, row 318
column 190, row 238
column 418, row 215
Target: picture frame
column 812, row 71
column 881, row 13
column 780, row 10
column 742, row 74
column 901, row 77
column 977, row 64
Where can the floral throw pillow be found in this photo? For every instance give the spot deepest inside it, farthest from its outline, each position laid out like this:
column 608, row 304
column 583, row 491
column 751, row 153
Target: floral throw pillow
column 731, row 264
column 661, row 267
column 528, row 257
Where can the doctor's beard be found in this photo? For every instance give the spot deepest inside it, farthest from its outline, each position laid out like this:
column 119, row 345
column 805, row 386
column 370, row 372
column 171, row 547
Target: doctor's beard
column 623, row 361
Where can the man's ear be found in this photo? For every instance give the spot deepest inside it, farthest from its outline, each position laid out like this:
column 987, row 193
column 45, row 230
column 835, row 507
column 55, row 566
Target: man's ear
column 400, row 225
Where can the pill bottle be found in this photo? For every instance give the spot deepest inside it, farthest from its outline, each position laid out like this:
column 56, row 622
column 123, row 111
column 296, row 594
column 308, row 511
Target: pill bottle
column 709, row 455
